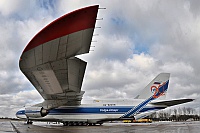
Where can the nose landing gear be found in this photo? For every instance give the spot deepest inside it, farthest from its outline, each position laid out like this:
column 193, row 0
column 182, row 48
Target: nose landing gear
column 29, row 121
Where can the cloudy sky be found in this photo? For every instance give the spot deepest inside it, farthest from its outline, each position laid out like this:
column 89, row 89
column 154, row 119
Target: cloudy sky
column 137, row 40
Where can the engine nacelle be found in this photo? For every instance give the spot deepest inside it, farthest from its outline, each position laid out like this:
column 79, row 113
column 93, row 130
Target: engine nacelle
column 35, row 112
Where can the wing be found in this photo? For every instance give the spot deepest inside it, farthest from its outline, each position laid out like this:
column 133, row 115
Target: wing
column 49, row 61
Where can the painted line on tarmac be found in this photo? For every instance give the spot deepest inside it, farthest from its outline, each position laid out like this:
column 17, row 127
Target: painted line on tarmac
column 15, row 129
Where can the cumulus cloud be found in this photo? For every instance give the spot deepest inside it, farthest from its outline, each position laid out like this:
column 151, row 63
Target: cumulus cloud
column 137, row 40
column 10, row 103
column 163, row 37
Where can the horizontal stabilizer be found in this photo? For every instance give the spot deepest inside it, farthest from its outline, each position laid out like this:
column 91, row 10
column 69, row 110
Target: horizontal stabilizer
column 143, row 115
column 172, row 102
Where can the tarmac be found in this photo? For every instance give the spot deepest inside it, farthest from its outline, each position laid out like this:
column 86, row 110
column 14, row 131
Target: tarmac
column 158, row 127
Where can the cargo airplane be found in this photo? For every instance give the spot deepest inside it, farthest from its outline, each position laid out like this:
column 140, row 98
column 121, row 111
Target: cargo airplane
column 50, row 63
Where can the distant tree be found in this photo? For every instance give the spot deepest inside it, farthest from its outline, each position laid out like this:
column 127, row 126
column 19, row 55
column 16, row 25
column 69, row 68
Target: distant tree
column 175, row 112
column 193, row 111
column 189, row 110
column 169, row 111
column 179, row 111
column 153, row 115
column 184, row 110
column 179, row 114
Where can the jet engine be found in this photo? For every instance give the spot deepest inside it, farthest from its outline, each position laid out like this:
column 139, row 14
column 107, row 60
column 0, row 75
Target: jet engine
column 35, row 112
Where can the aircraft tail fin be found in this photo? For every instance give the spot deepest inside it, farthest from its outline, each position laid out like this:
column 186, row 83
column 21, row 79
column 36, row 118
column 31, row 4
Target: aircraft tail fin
column 153, row 85
column 155, row 89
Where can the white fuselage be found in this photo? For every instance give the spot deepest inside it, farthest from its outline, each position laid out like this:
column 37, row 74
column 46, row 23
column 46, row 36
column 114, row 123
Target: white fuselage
column 98, row 110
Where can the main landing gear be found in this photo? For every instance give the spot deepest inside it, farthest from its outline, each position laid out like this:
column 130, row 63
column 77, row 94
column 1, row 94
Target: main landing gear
column 80, row 124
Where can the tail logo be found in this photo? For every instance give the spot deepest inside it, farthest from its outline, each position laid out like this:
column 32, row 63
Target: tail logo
column 158, row 90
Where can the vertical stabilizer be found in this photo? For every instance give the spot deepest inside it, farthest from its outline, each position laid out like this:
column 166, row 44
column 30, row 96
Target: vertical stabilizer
column 153, row 86
column 155, row 89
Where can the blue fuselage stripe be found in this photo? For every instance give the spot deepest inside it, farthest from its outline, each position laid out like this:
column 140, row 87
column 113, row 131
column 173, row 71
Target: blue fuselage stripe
column 94, row 110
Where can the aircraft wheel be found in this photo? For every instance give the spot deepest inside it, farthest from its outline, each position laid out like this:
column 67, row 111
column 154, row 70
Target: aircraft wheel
column 65, row 123
column 71, row 124
column 81, row 123
column 29, row 122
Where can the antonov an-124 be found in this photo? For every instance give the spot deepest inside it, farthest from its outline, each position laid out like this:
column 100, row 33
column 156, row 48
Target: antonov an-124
column 50, row 63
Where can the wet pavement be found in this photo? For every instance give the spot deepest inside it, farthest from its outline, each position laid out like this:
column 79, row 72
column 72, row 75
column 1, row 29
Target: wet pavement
column 158, row 127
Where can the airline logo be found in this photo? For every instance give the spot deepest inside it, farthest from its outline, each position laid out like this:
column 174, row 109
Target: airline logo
column 158, row 89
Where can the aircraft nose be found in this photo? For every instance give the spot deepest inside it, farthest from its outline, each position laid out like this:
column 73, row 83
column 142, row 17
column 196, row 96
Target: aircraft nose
column 20, row 114
column 17, row 114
